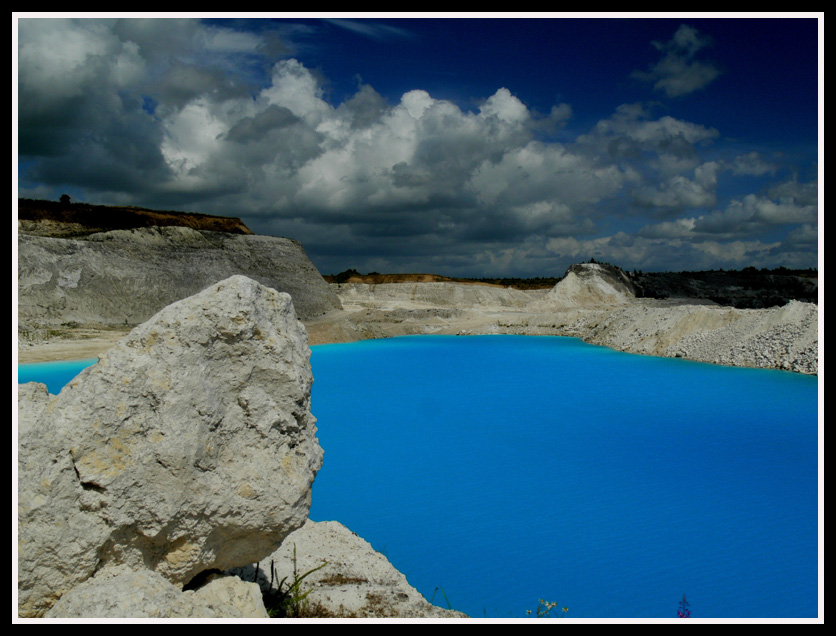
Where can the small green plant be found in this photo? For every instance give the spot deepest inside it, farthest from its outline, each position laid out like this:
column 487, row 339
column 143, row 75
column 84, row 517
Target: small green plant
column 290, row 601
column 443, row 594
column 545, row 608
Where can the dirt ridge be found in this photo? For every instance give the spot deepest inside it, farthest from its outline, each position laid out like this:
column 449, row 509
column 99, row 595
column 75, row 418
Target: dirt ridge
column 62, row 219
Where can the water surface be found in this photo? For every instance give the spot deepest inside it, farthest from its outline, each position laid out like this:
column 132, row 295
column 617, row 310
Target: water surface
column 494, row 471
column 506, row 469
column 54, row 374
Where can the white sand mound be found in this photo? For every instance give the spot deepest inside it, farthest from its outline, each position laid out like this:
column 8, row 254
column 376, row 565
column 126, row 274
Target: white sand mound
column 589, row 285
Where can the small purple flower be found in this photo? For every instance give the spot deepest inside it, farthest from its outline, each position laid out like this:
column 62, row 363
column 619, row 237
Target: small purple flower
column 683, row 611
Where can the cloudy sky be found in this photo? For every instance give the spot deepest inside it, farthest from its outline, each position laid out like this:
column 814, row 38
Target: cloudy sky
column 460, row 146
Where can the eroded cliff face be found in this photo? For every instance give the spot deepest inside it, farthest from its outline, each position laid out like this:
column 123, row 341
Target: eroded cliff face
column 123, row 277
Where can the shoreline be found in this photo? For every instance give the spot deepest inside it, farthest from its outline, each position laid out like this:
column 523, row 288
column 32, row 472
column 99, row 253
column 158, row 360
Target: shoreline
column 784, row 338
column 692, row 330
column 68, row 349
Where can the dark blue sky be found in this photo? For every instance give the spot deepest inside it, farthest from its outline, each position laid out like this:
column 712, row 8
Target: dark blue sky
column 768, row 81
column 491, row 146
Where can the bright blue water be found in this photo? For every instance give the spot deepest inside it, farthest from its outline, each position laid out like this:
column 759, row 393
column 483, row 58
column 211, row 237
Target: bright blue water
column 496, row 471
column 509, row 469
column 54, row 374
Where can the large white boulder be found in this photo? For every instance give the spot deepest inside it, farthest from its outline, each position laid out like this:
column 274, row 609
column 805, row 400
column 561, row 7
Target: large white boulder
column 190, row 446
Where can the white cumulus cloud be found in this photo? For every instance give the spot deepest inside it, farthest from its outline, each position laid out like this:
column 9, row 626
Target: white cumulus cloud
column 184, row 115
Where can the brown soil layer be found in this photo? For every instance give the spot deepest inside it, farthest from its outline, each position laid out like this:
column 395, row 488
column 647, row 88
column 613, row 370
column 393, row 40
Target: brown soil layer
column 57, row 219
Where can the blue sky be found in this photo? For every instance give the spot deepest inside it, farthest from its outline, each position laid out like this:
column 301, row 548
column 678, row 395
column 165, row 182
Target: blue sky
column 497, row 146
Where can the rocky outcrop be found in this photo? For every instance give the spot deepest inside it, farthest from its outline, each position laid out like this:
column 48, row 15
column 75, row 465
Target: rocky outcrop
column 777, row 338
column 120, row 592
column 126, row 276
column 589, row 285
column 599, row 303
column 189, row 447
column 353, row 580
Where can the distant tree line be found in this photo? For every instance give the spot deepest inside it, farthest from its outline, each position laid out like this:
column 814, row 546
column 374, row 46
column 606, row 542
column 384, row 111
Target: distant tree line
column 748, row 288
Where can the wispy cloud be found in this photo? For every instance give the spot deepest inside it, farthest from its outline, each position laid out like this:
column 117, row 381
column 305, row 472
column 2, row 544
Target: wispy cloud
column 371, row 29
column 679, row 72
column 752, row 163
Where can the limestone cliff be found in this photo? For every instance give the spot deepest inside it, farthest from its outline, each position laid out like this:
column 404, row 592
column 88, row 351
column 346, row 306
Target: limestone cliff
column 125, row 276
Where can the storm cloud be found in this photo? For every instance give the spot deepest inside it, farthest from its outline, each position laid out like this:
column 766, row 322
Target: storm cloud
column 182, row 114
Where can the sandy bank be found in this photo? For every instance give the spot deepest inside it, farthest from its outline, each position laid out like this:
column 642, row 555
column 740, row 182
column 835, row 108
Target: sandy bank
column 779, row 338
column 776, row 338
column 79, row 343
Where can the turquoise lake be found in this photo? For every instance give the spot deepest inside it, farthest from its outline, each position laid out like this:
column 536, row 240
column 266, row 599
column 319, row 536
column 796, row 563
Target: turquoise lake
column 494, row 471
